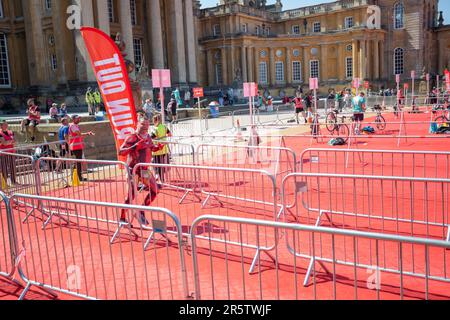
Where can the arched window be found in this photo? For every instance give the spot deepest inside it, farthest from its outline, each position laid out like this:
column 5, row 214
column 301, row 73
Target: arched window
column 399, row 61
column 399, row 13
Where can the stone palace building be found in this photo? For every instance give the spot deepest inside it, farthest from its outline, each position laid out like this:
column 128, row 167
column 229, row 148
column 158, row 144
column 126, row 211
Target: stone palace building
column 234, row 42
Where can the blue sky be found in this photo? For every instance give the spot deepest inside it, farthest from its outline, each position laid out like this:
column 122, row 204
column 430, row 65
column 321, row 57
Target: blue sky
column 444, row 5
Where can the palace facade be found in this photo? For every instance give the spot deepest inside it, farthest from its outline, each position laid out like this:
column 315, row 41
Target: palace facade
column 335, row 42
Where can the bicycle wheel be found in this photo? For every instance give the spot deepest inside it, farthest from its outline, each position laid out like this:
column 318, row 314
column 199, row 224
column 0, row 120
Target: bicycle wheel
column 381, row 123
column 343, row 131
column 441, row 120
column 331, row 122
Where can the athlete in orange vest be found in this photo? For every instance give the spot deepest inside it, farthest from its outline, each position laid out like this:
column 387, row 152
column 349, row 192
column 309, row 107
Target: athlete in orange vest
column 7, row 162
column 76, row 143
column 139, row 148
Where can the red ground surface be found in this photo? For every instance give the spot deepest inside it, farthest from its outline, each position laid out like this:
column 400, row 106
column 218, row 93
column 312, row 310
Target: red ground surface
column 124, row 270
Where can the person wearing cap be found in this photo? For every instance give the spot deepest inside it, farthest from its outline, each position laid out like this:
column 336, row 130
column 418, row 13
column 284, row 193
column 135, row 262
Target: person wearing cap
column 76, row 144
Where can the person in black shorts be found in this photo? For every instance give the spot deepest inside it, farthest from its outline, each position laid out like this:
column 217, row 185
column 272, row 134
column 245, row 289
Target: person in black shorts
column 173, row 109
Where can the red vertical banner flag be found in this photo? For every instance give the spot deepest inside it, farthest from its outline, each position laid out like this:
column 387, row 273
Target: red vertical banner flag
column 112, row 77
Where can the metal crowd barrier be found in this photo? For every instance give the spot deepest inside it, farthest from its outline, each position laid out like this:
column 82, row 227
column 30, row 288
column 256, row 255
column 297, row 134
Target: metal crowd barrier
column 228, row 192
column 415, row 206
column 278, row 161
column 74, row 255
column 7, row 248
column 356, row 265
column 404, row 163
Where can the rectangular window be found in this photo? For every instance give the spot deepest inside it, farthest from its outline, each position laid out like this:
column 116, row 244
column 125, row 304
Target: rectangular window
column 111, row 10
column 138, row 53
column 245, row 28
column 263, row 72
column 219, row 77
column 296, row 71
column 5, row 78
column 316, row 27
column 348, row 22
column 296, row 29
column 48, row 5
column 314, row 68
column 258, row 31
column 133, row 12
column 54, row 62
column 279, row 71
column 1, row 9
column 349, row 67
column 216, row 30
column 268, row 31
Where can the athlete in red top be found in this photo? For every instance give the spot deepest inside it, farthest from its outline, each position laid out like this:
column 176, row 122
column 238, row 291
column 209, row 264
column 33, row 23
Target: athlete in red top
column 139, row 148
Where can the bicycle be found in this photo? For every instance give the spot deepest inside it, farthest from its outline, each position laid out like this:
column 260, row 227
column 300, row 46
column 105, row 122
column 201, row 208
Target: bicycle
column 379, row 120
column 335, row 127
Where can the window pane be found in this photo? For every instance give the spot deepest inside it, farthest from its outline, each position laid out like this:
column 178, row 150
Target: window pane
column 296, row 71
column 314, row 69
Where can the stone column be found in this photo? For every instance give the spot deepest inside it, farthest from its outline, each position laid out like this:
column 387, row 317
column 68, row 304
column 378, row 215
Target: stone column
column 59, row 23
column 126, row 28
column 376, row 64
column 306, row 73
column 323, row 64
column 256, row 65
column 244, row 64
column 369, row 63
column 250, row 57
column 191, row 42
column 84, row 68
column 103, row 16
column 288, row 65
column 383, row 68
column 178, row 44
column 154, row 15
column 355, row 58
column 272, row 67
column 210, row 67
column 223, row 55
column 362, row 60
column 35, row 41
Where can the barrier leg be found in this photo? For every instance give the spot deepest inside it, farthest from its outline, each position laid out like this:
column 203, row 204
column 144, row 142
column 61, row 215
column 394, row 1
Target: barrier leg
column 25, row 291
column 50, row 219
column 119, row 229
column 28, row 215
column 152, row 237
column 207, row 200
column 310, row 269
column 448, row 234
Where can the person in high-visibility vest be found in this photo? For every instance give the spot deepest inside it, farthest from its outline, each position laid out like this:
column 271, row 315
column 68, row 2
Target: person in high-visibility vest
column 161, row 133
column 7, row 143
column 76, row 143
column 97, row 98
column 90, row 100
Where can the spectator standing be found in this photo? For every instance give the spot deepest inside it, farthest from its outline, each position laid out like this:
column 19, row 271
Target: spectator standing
column 161, row 133
column 33, row 119
column 7, row 143
column 97, row 98
column 90, row 100
column 76, row 143
column 172, row 106
column 299, row 108
column 187, row 98
column 149, row 108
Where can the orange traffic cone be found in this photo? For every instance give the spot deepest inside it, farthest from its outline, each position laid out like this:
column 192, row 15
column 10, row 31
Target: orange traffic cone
column 75, row 179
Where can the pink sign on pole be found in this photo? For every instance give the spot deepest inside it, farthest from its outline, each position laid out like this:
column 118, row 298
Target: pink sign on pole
column 413, row 74
column 250, row 89
column 356, row 83
column 428, row 77
column 161, row 78
column 397, row 78
column 314, row 83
